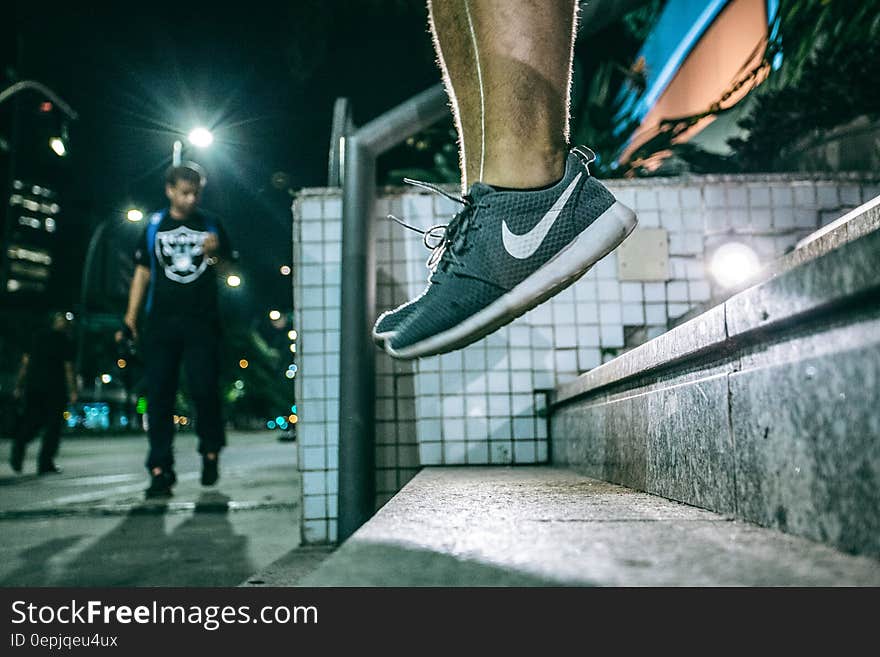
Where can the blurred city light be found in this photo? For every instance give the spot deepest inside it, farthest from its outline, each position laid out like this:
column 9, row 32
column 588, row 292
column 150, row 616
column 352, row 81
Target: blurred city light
column 239, row 384
column 134, row 215
column 243, row 363
column 121, row 363
column 68, row 316
column 274, row 315
column 285, row 270
column 57, row 145
column 233, row 281
column 106, row 378
column 290, row 374
column 270, row 424
column 734, row 263
column 201, row 137
column 291, row 334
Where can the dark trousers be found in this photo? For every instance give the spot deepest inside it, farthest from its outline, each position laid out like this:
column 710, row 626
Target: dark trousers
column 195, row 343
column 43, row 409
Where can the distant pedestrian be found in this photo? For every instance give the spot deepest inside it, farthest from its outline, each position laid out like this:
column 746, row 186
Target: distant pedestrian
column 175, row 273
column 46, row 384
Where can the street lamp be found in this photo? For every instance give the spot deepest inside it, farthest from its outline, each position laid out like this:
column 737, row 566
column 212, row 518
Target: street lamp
column 274, row 315
column 200, row 137
column 57, row 145
column 134, row 215
column 233, row 281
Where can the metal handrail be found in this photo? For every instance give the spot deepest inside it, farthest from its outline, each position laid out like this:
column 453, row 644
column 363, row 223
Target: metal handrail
column 357, row 412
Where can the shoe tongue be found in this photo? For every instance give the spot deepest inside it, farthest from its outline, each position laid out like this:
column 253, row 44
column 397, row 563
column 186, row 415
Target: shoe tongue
column 478, row 190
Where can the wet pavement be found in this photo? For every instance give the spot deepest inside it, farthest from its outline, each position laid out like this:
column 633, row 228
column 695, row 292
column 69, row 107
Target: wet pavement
column 91, row 526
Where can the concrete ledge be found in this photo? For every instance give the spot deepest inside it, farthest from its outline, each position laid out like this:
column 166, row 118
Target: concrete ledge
column 831, row 269
column 763, row 408
column 543, row 526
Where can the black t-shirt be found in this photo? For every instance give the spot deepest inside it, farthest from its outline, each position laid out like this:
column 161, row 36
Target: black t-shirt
column 183, row 281
column 48, row 353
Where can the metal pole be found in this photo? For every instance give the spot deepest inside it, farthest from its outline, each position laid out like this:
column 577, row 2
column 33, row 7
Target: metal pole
column 175, row 153
column 11, row 90
column 84, row 292
column 357, row 355
column 357, row 399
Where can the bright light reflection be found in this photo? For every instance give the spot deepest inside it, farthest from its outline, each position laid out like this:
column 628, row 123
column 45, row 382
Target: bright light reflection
column 733, row 264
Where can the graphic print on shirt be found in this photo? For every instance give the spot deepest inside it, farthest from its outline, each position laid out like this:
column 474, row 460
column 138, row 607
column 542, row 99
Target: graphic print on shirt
column 181, row 254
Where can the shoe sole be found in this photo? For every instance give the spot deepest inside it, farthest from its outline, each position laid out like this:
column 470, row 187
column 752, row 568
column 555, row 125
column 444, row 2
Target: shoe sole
column 596, row 241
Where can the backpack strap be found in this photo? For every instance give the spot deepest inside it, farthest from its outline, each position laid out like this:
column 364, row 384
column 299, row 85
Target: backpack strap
column 153, row 228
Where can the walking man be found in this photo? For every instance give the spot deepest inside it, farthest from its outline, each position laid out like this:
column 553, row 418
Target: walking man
column 175, row 272
column 46, row 382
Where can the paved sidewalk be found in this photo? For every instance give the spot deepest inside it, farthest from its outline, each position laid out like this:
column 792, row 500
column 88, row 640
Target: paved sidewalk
column 545, row 526
column 90, row 525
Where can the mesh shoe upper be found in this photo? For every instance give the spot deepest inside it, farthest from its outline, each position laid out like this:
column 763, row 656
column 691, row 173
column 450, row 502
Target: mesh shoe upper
column 479, row 264
column 389, row 321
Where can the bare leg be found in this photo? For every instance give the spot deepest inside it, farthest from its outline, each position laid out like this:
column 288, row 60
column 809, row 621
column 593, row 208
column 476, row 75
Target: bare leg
column 507, row 69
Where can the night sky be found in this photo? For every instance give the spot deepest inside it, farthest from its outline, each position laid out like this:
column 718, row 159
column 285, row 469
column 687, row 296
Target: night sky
column 262, row 76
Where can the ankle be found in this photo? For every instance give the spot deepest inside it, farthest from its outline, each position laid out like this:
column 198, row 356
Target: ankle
column 540, row 167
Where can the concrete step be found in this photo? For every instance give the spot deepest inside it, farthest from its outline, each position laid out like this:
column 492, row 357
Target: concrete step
column 546, row 526
column 763, row 408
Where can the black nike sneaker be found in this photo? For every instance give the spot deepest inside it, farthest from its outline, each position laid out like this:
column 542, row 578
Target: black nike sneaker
column 506, row 252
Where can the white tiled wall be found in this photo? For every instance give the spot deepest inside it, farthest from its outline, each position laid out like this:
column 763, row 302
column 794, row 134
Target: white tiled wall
column 485, row 404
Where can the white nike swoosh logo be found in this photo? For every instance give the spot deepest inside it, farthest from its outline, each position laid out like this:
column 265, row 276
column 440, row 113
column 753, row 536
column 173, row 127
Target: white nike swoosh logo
column 525, row 245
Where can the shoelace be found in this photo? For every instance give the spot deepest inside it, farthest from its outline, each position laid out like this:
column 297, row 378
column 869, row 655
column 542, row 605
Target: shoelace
column 449, row 237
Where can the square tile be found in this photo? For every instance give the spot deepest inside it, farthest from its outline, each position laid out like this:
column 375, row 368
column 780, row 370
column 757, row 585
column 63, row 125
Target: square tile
column 566, row 336
column 477, row 453
column 431, row 453
column 633, row 314
column 315, row 531
column 454, row 453
column 588, row 359
column 566, row 360
column 588, row 335
column 524, row 451
column 691, row 197
column 453, row 428
column 501, row 452
column 609, row 313
column 611, row 335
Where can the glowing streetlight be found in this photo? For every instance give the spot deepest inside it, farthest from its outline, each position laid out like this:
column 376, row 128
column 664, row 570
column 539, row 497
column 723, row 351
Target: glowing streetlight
column 291, row 334
column 233, row 281
column 201, row 137
column 285, row 270
column 274, row 315
column 243, row 363
column 57, row 145
column 106, row 378
column 134, row 215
